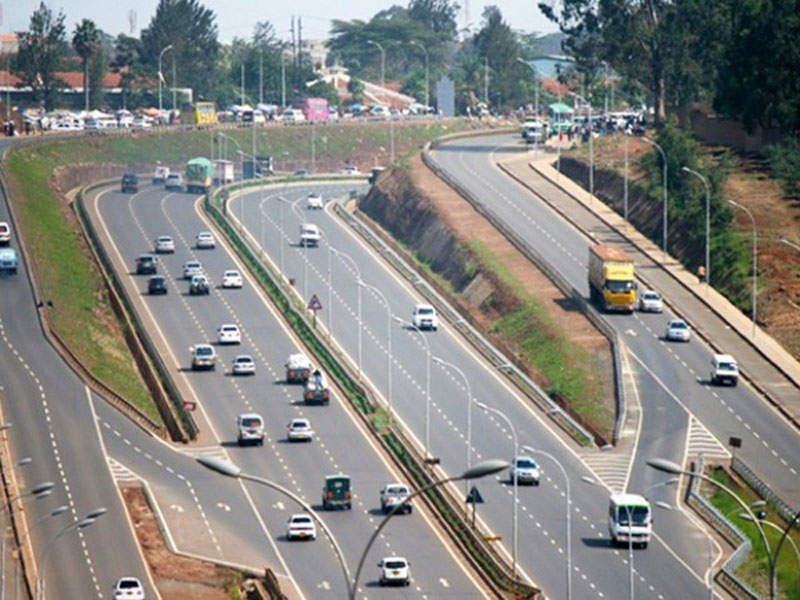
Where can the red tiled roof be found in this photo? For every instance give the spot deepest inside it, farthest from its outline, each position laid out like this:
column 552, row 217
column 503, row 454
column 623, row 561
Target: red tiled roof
column 71, row 79
column 554, row 86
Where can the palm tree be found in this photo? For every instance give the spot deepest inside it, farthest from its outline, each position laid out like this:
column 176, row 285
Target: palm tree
column 86, row 41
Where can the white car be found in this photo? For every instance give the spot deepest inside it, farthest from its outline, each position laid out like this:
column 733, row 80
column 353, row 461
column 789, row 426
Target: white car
column 204, row 357
column 351, row 171
column 165, row 244
column 394, row 494
column 314, row 200
column 141, row 123
column 174, row 181
column 231, row 279
column 525, row 470
column 424, row 317
column 229, row 334
column 678, row 331
column 192, row 268
column 5, row 233
column 301, row 527
column 128, row 588
column 204, row 241
column 650, row 301
column 724, row 370
column 244, row 364
column 293, row 115
column 299, row 430
column 309, row 235
column 160, row 174
column 395, row 571
column 380, row 111
column 251, row 429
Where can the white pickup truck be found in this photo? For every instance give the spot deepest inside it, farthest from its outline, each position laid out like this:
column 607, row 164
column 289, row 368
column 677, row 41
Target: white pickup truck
column 394, row 494
column 309, row 235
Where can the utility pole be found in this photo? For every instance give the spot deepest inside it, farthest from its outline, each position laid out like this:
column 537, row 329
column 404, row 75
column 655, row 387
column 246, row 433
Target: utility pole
column 283, row 76
column 261, row 75
column 174, row 92
column 486, row 80
column 242, row 84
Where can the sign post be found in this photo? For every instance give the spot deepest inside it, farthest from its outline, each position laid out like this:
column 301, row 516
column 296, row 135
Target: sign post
column 474, row 497
column 314, row 305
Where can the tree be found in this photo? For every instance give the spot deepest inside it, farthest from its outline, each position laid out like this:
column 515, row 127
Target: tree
column 322, row 89
column 192, row 31
column 356, row 88
column 41, row 50
column 127, row 62
column 86, row 42
column 437, row 15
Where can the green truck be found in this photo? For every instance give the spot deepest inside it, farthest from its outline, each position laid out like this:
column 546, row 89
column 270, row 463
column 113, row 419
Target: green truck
column 199, row 173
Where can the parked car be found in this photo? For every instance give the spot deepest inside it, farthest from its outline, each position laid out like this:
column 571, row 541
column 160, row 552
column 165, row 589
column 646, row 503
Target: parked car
column 301, row 527
column 199, row 286
column 650, row 301
column 724, row 370
column 351, row 171
column 301, row 173
column 395, row 494
column 395, row 571
column 5, row 234
column 251, row 429
column 424, row 317
column 146, row 265
column 229, row 334
column 160, row 174
column 130, row 182
column 157, row 285
column 204, row 241
column 336, row 492
column 165, row 245
column 244, row 364
column 192, row 268
column 380, row 111
column 174, row 182
column 141, row 122
column 231, row 279
column 525, row 470
column 203, row 357
column 299, row 430
column 678, row 331
column 314, row 201
column 128, row 588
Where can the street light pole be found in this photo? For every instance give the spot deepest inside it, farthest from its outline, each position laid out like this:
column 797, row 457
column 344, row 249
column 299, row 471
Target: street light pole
column 535, row 83
column 427, row 384
column 470, row 399
column 380, row 294
column 503, row 416
column 427, row 86
column 664, row 185
column 161, row 78
column 755, row 260
column 383, row 61
column 568, row 506
column 625, row 189
column 591, row 144
column 354, row 264
column 708, row 222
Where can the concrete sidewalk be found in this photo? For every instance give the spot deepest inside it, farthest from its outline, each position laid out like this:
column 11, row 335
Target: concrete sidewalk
column 764, row 362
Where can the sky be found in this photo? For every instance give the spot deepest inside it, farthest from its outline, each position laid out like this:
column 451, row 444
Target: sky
column 237, row 17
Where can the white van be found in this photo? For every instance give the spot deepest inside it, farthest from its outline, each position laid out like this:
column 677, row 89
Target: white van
column 724, row 370
column 309, row 235
column 630, row 520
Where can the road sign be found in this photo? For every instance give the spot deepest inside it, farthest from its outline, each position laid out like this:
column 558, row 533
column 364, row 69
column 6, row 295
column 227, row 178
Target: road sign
column 314, row 304
column 474, row 496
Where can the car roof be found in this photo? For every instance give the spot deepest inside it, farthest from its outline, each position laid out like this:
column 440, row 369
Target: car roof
column 231, row 272
column 204, row 346
column 229, row 326
column 243, row 357
column 191, row 262
column 629, row 499
column 251, row 416
column 146, row 256
column 394, row 558
column 418, row 306
column 165, row 237
column 157, row 277
column 724, row 358
column 301, row 516
column 675, row 321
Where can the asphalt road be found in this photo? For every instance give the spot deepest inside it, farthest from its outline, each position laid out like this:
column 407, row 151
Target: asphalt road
column 134, row 221
column 53, row 425
column 273, row 217
column 678, row 372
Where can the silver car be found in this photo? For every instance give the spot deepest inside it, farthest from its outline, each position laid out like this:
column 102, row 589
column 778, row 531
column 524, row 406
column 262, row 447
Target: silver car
column 525, row 471
column 165, row 244
column 678, row 331
column 650, row 301
column 192, row 268
column 204, row 240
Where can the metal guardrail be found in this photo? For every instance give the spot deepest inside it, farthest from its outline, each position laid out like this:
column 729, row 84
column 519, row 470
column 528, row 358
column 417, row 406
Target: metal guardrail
column 162, row 373
column 726, row 575
column 445, row 506
column 739, row 467
column 568, row 290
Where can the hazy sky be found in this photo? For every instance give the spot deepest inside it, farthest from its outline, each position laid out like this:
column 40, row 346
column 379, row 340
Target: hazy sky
column 237, row 17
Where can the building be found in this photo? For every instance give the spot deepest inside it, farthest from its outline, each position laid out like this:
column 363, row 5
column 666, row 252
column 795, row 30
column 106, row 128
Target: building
column 387, row 95
column 9, row 43
column 317, row 50
column 72, row 94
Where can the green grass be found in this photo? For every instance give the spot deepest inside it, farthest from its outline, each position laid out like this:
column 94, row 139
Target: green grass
column 755, row 569
column 63, row 266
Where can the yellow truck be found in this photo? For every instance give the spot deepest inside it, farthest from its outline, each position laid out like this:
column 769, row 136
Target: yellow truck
column 611, row 278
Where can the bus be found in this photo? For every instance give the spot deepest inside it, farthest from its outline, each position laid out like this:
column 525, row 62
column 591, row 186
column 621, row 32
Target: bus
column 198, row 175
column 630, row 520
column 205, row 113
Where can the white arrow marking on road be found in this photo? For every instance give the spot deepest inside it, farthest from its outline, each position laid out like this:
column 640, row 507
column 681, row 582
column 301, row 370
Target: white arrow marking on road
column 224, row 506
column 444, row 582
column 176, row 507
column 630, row 332
column 324, row 585
column 279, row 505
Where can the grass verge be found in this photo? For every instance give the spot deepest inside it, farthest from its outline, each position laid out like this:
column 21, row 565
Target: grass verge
column 755, row 569
column 62, row 262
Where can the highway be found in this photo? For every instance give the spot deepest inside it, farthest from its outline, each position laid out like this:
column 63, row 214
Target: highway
column 131, row 223
column 50, row 409
column 672, row 376
column 665, row 570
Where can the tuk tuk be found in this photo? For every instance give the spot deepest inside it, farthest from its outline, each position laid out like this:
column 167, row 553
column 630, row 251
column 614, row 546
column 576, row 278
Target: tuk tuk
column 336, row 492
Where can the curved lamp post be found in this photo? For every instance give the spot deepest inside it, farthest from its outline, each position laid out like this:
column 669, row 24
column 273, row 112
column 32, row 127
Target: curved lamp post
column 708, row 221
column 470, row 399
column 354, row 264
column 664, row 185
column 161, row 77
column 385, row 301
column 755, row 260
column 427, row 384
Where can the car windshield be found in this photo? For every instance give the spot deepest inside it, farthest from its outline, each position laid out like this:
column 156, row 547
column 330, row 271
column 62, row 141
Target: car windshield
column 395, row 564
column 726, row 366
column 619, row 287
column 192, row 265
column 230, row 328
column 231, row 273
column 127, row 584
column 525, row 463
column 243, row 359
column 251, row 422
column 678, row 325
column 397, row 489
column 299, row 424
column 639, row 514
column 205, row 351
column 301, row 520
column 651, row 296
column 425, row 311
column 145, row 259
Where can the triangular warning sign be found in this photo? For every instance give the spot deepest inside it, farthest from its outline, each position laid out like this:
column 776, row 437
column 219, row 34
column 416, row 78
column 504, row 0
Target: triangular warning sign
column 314, row 303
column 474, row 496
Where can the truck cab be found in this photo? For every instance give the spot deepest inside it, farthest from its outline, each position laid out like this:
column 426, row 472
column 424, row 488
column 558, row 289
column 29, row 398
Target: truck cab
column 612, row 280
column 630, row 520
